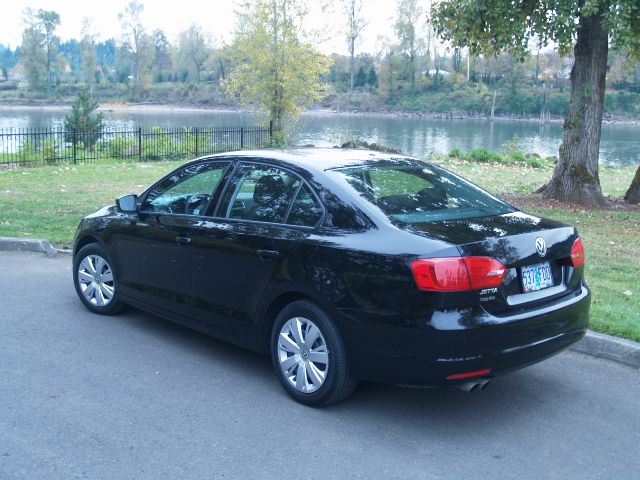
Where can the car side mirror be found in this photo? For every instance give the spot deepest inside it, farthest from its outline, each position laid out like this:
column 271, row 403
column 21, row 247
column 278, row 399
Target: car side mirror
column 127, row 203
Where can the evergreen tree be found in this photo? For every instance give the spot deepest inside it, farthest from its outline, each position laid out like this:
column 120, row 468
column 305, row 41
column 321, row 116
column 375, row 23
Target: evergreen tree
column 372, row 78
column 81, row 125
column 361, row 78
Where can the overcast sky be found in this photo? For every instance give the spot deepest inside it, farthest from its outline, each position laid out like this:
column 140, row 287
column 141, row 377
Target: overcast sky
column 216, row 16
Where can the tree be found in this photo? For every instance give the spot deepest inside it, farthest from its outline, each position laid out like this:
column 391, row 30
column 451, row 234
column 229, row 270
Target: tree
column 162, row 51
column 194, row 47
column 589, row 26
column 89, row 55
column 355, row 25
column 136, row 42
column 7, row 60
column 273, row 62
column 361, row 77
column 456, row 59
column 106, row 53
column 32, row 55
column 372, row 77
column 49, row 20
column 81, row 124
column 407, row 28
column 633, row 193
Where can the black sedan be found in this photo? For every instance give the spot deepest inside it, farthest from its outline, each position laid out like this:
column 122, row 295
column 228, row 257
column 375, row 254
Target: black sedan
column 342, row 265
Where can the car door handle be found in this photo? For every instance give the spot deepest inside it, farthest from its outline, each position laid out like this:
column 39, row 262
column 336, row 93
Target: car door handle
column 183, row 240
column 267, row 254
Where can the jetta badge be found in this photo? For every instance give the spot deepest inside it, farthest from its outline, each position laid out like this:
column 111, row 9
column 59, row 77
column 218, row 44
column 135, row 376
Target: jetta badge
column 541, row 246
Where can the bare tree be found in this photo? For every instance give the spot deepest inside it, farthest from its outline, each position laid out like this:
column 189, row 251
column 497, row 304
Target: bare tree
column 355, row 24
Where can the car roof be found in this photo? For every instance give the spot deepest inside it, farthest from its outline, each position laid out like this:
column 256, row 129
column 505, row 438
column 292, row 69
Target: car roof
column 318, row 159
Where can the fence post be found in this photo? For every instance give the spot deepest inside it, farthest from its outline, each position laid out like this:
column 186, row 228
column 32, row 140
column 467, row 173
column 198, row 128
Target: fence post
column 241, row 138
column 75, row 142
column 270, row 132
column 196, row 130
column 139, row 144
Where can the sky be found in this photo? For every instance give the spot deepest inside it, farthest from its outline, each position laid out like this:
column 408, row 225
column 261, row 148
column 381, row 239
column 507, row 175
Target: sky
column 215, row 16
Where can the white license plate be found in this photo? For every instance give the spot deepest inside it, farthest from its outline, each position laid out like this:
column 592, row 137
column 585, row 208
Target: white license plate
column 536, row 277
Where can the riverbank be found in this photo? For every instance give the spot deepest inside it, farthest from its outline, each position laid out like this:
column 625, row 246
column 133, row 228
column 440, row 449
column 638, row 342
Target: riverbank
column 147, row 107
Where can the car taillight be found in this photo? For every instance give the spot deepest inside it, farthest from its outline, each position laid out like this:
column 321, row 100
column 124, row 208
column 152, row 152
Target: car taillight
column 457, row 273
column 577, row 253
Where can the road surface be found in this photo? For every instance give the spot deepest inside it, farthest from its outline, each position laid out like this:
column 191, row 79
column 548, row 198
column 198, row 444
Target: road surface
column 136, row 397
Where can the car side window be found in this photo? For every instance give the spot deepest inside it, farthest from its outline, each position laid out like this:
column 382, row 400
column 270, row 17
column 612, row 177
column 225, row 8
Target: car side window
column 306, row 210
column 187, row 191
column 260, row 193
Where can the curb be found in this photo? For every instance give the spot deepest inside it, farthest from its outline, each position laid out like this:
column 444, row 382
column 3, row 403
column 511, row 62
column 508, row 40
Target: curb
column 595, row 344
column 612, row 348
column 16, row 244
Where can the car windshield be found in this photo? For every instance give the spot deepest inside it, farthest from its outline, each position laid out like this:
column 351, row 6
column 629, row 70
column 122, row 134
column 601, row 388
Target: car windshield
column 415, row 192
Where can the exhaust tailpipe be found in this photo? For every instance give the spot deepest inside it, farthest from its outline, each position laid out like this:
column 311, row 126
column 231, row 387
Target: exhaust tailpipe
column 473, row 386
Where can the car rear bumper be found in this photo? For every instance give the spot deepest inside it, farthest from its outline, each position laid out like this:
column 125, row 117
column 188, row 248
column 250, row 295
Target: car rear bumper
column 426, row 348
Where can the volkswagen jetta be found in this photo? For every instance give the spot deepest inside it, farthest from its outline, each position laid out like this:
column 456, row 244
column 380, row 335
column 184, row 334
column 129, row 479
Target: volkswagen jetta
column 342, row 265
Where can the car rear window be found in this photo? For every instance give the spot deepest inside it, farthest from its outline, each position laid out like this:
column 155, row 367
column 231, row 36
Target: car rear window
column 415, row 192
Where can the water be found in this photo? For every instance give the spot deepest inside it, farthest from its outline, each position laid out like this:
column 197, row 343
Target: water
column 620, row 144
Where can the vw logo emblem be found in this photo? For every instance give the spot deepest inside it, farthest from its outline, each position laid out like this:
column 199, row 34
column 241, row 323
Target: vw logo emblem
column 541, row 246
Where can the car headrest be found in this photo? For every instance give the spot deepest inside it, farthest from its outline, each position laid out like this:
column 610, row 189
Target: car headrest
column 268, row 189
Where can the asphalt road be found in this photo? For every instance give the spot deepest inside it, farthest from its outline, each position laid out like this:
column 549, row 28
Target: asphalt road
column 133, row 396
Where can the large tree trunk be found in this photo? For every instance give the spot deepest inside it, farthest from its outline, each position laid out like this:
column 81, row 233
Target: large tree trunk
column 633, row 194
column 575, row 178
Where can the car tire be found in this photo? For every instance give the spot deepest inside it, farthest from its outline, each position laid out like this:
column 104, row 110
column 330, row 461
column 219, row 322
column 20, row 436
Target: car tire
column 309, row 355
column 95, row 281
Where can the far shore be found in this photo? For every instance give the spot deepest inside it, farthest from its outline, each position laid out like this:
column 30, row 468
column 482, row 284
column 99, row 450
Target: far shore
column 147, row 108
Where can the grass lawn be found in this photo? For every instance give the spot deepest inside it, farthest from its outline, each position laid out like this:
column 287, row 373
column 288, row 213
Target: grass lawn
column 48, row 202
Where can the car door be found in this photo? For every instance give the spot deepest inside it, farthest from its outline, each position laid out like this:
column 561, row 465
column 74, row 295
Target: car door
column 154, row 255
column 248, row 243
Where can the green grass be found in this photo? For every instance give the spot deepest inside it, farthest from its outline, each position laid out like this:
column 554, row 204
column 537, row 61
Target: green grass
column 48, row 202
column 612, row 268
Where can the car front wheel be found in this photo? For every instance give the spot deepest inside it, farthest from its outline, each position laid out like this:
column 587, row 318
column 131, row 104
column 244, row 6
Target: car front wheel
column 95, row 281
column 309, row 355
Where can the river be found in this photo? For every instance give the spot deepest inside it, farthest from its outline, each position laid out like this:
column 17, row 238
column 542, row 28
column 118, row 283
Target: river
column 420, row 137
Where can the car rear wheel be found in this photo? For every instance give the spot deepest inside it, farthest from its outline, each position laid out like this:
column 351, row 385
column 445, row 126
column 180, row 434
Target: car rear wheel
column 309, row 355
column 95, row 281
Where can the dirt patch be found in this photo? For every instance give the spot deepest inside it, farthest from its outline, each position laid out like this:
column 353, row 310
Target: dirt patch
column 537, row 202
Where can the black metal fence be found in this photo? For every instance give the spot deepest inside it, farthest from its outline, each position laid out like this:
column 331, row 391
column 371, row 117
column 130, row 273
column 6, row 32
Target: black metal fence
column 24, row 147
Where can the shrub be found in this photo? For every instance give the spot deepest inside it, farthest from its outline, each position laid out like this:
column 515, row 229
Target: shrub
column 482, row 155
column 456, row 153
column 518, row 157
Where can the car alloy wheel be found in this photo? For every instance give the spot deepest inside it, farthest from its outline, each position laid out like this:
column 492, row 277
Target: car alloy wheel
column 95, row 280
column 303, row 355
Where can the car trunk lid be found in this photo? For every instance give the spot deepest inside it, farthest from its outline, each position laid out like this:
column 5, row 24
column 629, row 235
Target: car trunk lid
column 535, row 251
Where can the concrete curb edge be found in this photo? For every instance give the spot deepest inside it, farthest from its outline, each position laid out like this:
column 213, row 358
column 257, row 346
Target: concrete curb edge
column 612, row 348
column 17, row 244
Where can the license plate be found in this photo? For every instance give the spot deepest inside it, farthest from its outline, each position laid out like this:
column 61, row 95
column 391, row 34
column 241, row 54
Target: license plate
column 536, row 277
